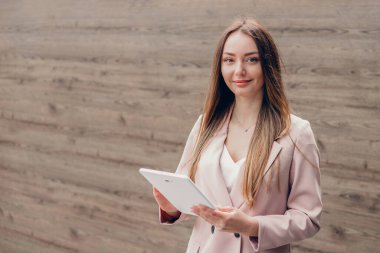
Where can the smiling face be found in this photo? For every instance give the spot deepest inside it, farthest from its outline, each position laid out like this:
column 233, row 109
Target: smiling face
column 241, row 68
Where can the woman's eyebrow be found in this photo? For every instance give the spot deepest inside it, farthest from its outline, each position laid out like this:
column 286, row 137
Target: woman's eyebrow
column 249, row 53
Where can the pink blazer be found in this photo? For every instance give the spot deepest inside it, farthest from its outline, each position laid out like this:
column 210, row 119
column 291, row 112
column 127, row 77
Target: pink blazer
column 289, row 215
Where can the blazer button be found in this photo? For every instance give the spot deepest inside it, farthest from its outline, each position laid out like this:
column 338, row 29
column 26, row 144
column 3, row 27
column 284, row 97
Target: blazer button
column 237, row 235
column 212, row 229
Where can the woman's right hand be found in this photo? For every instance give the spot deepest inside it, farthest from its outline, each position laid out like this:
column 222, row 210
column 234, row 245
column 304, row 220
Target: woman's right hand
column 164, row 204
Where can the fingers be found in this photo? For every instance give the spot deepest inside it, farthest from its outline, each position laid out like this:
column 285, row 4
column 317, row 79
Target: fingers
column 210, row 215
column 155, row 191
column 226, row 209
column 158, row 194
column 219, row 214
column 219, row 217
column 208, row 210
column 202, row 209
column 227, row 219
column 163, row 203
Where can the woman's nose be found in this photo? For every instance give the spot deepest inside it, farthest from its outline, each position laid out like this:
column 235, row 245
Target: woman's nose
column 239, row 69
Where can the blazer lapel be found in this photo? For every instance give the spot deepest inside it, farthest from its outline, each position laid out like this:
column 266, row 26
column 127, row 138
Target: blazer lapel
column 236, row 191
column 212, row 180
column 276, row 148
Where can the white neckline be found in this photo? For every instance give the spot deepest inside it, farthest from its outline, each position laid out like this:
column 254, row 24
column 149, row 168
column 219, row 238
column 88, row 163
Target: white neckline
column 237, row 162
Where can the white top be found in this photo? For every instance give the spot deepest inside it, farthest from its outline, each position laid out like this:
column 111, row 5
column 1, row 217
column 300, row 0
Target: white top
column 230, row 169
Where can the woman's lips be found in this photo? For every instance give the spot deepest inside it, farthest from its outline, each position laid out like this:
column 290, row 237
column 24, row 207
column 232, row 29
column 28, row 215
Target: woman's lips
column 241, row 83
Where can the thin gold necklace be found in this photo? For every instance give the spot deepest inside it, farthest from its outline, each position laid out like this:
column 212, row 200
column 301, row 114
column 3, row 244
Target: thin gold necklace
column 244, row 130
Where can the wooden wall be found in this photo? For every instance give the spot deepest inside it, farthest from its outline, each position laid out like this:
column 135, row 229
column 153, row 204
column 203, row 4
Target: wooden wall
column 92, row 90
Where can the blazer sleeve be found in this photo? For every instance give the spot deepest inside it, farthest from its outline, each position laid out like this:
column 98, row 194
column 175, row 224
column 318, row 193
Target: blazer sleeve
column 302, row 218
column 183, row 168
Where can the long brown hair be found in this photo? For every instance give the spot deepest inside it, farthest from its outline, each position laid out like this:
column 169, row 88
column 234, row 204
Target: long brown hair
column 274, row 117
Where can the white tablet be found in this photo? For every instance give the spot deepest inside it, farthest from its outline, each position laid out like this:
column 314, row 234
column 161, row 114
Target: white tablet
column 178, row 189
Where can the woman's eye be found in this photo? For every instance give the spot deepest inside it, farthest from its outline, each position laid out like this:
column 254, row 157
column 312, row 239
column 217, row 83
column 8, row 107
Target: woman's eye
column 252, row 59
column 228, row 60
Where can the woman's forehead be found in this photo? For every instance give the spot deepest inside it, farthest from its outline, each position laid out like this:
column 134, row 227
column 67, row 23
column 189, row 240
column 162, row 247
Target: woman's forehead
column 239, row 43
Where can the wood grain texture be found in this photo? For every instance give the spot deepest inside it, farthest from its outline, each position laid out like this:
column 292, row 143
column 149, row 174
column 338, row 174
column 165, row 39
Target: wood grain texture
column 92, row 90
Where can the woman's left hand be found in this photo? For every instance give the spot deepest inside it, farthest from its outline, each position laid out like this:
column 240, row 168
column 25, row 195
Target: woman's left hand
column 228, row 219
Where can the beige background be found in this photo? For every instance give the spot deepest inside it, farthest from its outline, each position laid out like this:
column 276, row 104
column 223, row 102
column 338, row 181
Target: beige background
column 92, row 90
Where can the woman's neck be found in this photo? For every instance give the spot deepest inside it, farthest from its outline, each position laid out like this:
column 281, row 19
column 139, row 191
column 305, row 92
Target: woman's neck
column 246, row 110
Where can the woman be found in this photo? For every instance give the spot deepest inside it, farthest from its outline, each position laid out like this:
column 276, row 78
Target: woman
column 249, row 155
